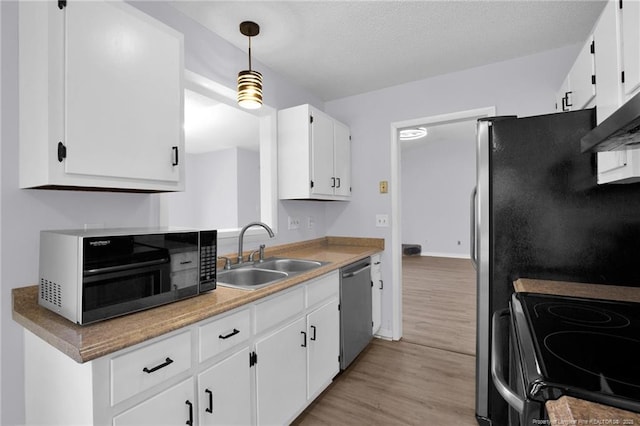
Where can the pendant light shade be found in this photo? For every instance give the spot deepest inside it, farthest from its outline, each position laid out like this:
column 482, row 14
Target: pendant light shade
column 249, row 81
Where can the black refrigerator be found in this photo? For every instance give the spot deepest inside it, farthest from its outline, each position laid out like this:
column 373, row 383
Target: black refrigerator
column 537, row 212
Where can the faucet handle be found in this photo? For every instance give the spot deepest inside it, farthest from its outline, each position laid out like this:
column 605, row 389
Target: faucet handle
column 227, row 262
column 260, row 253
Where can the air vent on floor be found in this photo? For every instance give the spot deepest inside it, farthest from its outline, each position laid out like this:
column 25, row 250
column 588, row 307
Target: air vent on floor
column 50, row 292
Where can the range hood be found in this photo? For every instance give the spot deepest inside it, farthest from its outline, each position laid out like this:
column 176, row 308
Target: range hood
column 619, row 131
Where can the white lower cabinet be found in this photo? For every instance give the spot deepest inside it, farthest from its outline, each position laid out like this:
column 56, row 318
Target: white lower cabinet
column 281, row 374
column 377, row 286
column 224, row 392
column 262, row 363
column 174, row 406
column 323, row 347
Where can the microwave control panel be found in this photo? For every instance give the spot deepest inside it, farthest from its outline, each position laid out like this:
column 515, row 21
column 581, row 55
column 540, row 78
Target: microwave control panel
column 208, row 258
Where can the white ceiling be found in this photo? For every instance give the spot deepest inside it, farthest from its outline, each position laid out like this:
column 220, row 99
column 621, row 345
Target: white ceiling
column 342, row 48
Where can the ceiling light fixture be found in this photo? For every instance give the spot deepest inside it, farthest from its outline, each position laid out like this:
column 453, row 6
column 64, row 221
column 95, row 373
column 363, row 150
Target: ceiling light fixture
column 249, row 81
column 412, row 134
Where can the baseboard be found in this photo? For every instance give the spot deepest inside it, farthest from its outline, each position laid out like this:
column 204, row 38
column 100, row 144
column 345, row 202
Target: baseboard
column 453, row 255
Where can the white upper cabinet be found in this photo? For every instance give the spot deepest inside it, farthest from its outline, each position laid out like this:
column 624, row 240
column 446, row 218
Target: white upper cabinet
column 314, row 155
column 578, row 89
column 101, row 98
column 630, row 16
column 607, row 62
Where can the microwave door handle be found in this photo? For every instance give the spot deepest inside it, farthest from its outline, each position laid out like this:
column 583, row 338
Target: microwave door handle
column 125, row 267
column 497, row 362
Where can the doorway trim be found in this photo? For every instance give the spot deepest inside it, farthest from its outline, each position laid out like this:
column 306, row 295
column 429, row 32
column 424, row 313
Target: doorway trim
column 396, row 198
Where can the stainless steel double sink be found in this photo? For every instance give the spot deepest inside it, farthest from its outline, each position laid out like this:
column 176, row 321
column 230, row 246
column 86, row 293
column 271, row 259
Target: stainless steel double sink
column 252, row 276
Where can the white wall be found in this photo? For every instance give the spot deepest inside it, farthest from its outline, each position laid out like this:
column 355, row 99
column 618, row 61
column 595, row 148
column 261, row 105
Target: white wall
column 248, row 186
column 437, row 179
column 25, row 212
column 523, row 86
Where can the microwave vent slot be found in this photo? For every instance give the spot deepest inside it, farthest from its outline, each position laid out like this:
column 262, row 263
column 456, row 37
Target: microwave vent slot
column 50, row 292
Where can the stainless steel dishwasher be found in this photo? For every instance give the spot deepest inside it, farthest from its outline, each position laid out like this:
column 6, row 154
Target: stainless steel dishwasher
column 355, row 310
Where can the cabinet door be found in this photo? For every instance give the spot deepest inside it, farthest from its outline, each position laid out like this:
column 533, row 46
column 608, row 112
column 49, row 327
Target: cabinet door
column 562, row 96
column 631, row 46
column 224, row 392
column 281, row 374
column 123, row 93
column 174, row 406
column 583, row 89
column 607, row 62
column 322, row 155
column 323, row 346
column 376, row 293
column 342, row 159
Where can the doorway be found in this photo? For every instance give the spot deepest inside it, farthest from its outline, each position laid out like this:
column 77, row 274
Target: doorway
column 396, row 198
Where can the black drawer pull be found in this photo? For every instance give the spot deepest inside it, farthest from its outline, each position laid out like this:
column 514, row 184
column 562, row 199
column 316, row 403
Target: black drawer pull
column 190, row 404
column 158, row 367
column 233, row 333
column 313, row 327
column 304, row 344
column 175, row 156
column 210, row 409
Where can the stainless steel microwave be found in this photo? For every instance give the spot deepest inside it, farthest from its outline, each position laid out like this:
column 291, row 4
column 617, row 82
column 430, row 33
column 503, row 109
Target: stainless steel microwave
column 91, row 275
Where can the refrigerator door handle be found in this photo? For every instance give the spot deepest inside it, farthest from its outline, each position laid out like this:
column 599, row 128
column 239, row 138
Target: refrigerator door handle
column 498, row 364
column 472, row 227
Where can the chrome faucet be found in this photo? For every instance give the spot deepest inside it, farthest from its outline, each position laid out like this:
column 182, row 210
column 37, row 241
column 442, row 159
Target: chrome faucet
column 241, row 237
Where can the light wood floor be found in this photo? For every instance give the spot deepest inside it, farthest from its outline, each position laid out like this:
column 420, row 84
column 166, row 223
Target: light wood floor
column 428, row 377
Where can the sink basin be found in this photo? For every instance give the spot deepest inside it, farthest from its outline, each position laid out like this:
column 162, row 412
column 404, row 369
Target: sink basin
column 249, row 278
column 288, row 265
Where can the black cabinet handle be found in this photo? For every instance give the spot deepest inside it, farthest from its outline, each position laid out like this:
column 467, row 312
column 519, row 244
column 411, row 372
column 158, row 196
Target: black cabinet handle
column 338, row 179
column 381, row 284
column 158, row 367
column 313, row 327
column 210, row 409
column 233, row 333
column 304, row 343
column 190, row 404
column 333, row 182
column 175, row 156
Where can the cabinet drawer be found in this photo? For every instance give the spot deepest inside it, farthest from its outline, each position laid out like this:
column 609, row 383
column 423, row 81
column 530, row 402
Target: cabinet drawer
column 224, row 333
column 323, row 288
column 184, row 260
column 143, row 368
column 279, row 308
column 376, row 264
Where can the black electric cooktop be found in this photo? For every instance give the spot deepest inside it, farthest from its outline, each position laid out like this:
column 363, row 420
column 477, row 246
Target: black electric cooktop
column 587, row 347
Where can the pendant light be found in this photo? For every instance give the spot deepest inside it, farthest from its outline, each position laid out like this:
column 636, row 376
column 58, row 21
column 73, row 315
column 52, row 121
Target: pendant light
column 249, row 81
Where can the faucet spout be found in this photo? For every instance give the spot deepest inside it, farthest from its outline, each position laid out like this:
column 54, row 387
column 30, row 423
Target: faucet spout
column 241, row 237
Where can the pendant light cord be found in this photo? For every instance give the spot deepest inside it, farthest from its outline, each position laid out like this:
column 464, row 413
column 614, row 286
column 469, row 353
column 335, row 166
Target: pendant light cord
column 249, row 53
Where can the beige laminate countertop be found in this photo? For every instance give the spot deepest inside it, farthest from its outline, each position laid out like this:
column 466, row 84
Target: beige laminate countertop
column 84, row 343
column 567, row 410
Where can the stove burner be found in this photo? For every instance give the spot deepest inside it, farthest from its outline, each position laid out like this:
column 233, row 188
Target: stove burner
column 611, row 359
column 588, row 316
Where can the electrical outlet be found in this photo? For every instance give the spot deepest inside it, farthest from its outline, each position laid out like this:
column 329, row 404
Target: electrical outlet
column 310, row 222
column 382, row 220
column 294, row 222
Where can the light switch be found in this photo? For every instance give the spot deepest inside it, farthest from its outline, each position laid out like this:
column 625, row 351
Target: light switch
column 384, row 186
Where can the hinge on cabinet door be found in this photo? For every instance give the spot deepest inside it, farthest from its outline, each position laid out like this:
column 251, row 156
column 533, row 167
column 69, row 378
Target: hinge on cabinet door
column 593, row 79
column 338, row 306
column 312, row 184
column 62, row 152
column 311, row 119
column 371, row 283
column 62, row 4
column 253, row 359
column 593, row 47
column 622, row 76
column 620, row 4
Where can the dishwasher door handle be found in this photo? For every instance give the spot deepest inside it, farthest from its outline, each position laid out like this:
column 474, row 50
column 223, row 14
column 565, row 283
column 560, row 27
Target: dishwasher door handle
column 354, row 273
